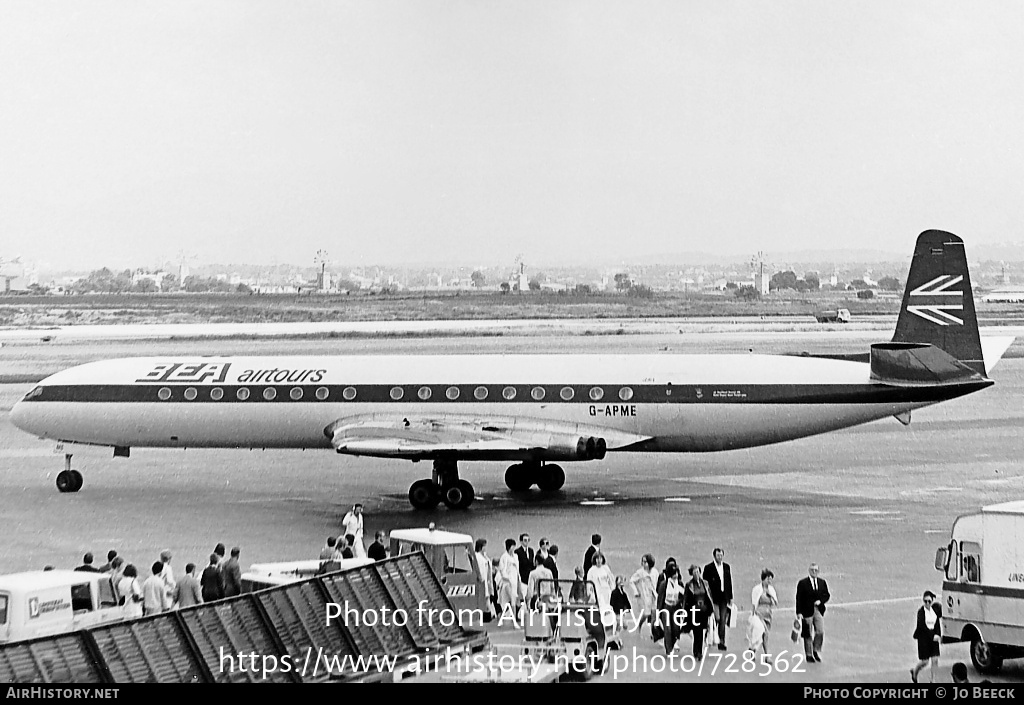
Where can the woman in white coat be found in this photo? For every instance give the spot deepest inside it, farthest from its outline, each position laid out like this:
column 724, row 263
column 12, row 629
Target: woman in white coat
column 604, row 582
column 643, row 583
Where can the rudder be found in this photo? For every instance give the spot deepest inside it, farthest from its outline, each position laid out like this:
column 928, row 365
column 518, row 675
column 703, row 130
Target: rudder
column 938, row 304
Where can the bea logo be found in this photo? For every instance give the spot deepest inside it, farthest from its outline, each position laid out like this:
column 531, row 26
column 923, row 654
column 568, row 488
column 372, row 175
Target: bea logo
column 187, row 372
column 33, row 607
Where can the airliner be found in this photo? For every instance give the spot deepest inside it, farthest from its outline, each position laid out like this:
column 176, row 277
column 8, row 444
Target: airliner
column 532, row 410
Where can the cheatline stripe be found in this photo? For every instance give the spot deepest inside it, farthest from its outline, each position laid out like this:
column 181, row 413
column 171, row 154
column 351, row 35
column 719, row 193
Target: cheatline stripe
column 524, row 393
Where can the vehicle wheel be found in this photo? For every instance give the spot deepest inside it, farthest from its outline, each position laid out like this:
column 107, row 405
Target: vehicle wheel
column 78, row 480
column 593, row 665
column 423, row 495
column 985, row 657
column 65, row 481
column 551, row 478
column 518, row 479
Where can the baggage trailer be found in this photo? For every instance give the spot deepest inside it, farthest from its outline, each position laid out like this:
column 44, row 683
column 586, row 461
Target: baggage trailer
column 983, row 587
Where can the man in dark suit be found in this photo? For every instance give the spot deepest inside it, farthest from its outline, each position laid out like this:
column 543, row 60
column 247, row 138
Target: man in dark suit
column 588, row 557
column 378, row 550
column 811, row 596
column 87, row 566
column 718, row 576
column 231, row 574
column 526, row 564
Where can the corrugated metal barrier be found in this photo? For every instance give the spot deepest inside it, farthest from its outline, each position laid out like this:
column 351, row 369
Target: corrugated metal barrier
column 284, row 627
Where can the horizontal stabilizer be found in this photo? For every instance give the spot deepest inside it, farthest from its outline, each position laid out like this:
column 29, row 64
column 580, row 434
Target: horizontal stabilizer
column 993, row 348
column 918, row 365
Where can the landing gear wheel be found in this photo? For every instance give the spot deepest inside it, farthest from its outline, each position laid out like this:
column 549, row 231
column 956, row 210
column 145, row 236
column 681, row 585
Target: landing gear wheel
column 78, row 480
column 459, row 495
column 518, row 478
column 65, row 481
column 423, row 495
column 550, row 478
column 985, row 657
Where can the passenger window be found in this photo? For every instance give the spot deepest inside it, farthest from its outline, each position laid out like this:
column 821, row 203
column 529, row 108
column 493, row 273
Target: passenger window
column 81, row 598
column 970, row 562
column 107, row 597
column 3, row 609
column 972, row 569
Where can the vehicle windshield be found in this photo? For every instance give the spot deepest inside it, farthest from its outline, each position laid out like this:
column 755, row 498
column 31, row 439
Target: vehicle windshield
column 3, row 609
column 573, row 592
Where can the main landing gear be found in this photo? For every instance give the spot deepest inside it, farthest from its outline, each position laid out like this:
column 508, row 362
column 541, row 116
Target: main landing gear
column 69, row 480
column 521, row 477
column 444, row 486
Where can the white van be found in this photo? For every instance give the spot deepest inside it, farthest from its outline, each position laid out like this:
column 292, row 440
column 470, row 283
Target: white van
column 42, row 603
column 983, row 589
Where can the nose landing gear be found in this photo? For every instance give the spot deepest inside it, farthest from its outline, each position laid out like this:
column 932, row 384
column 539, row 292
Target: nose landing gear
column 444, row 486
column 69, row 480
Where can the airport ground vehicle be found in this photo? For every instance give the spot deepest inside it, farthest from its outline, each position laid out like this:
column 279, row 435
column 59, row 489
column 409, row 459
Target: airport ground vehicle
column 837, row 316
column 453, row 560
column 983, row 587
column 265, row 575
column 45, row 602
column 567, row 626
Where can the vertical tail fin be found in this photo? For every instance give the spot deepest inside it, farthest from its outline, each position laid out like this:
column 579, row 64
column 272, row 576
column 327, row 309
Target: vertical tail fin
column 938, row 305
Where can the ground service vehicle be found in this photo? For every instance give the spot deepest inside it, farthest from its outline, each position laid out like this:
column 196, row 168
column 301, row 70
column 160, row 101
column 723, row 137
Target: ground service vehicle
column 265, row 575
column 45, row 602
column 839, row 316
column 453, row 560
column 983, row 588
column 568, row 627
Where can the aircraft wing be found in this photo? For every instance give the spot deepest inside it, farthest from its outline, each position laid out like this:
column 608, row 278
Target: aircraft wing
column 430, row 436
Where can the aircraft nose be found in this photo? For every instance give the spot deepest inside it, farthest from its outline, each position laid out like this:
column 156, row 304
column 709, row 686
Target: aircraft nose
column 23, row 414
column 19, row 416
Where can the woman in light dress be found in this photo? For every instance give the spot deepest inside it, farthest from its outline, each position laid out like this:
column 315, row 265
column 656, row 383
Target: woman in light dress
column 644, row 582
column 604, row 581
column 763, row 599
column 129, row 592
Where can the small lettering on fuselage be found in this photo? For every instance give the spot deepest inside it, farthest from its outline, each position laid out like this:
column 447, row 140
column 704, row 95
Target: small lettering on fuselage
column 188, row 372
column 1017, row 577
column 613, row 410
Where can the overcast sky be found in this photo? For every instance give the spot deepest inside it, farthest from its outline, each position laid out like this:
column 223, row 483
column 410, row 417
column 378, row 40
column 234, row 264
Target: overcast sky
column 392, row 131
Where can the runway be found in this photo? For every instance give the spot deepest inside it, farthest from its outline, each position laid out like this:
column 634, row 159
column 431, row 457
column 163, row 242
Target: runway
column 870, row 505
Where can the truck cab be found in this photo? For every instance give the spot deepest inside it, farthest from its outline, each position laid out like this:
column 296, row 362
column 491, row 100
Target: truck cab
column 42, row 603
column 453, row 560
column 983, row 584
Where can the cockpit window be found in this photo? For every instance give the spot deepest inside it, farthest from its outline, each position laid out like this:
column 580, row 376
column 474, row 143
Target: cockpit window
column 33, row 394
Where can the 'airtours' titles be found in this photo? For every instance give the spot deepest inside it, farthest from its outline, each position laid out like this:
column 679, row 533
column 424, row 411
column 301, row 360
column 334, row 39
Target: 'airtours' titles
column 279, row 375
column 217, row 372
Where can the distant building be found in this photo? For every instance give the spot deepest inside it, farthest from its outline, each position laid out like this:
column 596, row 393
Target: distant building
column 1013, row 295
column 141, row 275
column 761, row 282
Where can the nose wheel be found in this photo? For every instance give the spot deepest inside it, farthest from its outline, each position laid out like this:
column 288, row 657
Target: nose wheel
column 444, row 486
column 69, row 480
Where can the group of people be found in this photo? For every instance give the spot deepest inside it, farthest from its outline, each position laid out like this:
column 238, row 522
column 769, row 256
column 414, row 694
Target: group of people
column 350, row 544
column 673, row 604
column 161, row 590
